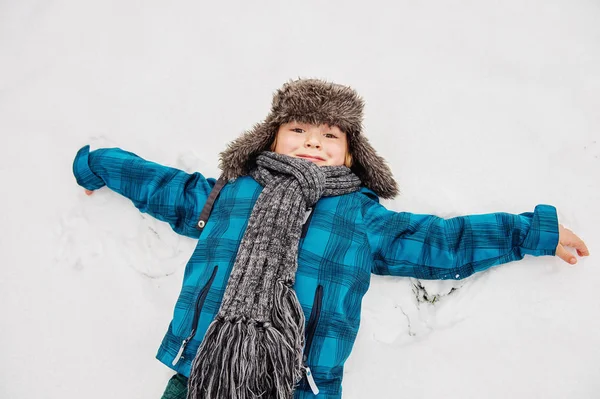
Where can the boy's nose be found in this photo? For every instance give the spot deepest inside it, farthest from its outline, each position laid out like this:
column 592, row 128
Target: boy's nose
column 312, row 142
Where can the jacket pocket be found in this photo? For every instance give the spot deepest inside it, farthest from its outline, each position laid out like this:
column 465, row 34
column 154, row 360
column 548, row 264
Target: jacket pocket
column 197, row 309
column 311, row 328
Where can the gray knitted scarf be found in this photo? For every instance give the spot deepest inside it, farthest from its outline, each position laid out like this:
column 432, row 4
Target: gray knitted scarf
column 253, row 348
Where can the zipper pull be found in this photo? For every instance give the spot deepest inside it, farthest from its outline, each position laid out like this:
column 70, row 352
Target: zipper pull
column 181, row 348
column 306, row 215
column 311, row 381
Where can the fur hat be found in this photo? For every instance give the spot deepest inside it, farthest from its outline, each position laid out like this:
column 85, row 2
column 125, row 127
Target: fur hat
column 316, row 102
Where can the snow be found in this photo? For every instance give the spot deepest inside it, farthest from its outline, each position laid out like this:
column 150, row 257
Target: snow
column 479, row 107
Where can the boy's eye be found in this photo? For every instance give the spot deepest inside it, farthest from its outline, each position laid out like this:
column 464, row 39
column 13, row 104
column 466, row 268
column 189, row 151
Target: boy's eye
column 328, row 135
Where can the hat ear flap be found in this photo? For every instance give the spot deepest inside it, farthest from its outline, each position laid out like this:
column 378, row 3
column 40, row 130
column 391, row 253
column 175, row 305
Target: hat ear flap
column 240, row 155
column 372, row 169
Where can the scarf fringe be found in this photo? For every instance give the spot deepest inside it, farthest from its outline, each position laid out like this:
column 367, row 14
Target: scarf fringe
column 242, row 358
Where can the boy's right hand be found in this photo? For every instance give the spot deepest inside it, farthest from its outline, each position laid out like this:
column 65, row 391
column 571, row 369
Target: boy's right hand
column 88, row 192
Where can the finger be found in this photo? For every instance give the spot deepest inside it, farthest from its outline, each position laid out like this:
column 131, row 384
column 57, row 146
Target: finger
column 89, row 192
column 565, row 255
column 581, row 248
column 571, row 240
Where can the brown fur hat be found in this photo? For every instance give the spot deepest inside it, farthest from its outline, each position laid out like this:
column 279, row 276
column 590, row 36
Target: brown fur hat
column 317, row 102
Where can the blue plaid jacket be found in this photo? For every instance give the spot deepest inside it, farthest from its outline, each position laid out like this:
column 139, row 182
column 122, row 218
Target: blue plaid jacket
column 348, row 238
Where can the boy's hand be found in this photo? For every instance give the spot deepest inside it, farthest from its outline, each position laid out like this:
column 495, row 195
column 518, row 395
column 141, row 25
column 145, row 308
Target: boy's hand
column 567, row 238
column 88, row 192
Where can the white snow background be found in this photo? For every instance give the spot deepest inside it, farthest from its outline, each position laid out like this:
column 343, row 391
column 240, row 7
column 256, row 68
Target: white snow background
column 479, row 107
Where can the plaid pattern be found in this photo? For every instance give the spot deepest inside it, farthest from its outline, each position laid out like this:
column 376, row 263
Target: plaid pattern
column 350, row 236
column 176, row 387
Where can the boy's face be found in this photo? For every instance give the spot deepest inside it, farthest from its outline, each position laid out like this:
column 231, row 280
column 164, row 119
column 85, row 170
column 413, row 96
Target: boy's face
column 324, row 145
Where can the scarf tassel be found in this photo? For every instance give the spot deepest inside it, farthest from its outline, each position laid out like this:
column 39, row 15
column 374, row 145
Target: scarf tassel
column 242, row 358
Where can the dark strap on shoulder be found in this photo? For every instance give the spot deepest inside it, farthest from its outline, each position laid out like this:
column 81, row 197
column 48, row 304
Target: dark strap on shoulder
column 210, row 202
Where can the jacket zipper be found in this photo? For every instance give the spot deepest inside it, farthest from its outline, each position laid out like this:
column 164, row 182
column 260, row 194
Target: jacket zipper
column 198, row 307
column 311, row 328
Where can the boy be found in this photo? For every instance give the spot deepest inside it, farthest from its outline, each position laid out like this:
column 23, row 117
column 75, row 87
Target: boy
column 270, row 303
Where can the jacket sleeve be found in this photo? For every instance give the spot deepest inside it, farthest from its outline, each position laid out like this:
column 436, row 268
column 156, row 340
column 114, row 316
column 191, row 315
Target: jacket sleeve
column 432, row 248
column 167, row 194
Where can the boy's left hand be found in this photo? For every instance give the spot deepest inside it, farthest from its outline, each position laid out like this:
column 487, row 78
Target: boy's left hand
column 567, row 238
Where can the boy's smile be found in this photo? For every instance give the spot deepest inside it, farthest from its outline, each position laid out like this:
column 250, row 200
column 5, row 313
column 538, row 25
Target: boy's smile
column 313, row 158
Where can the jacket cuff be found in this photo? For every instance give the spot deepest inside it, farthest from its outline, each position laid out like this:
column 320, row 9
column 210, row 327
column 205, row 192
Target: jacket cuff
column 542, row 237
column 83, row 174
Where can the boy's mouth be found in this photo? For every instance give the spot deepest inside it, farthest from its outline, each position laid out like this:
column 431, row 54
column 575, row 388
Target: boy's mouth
column 310, row 157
